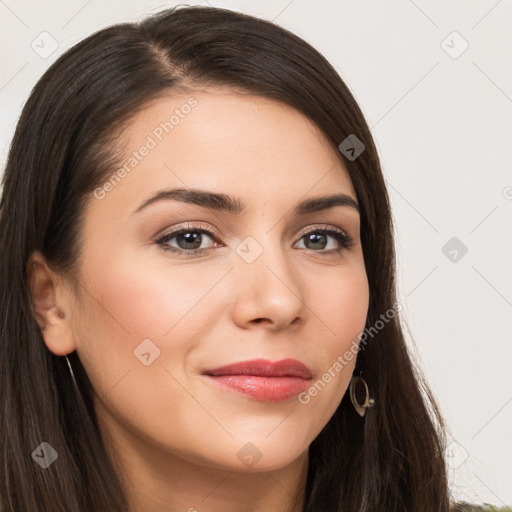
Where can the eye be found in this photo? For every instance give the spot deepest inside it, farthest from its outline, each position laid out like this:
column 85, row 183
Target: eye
column 318, row 239
column 188, row 240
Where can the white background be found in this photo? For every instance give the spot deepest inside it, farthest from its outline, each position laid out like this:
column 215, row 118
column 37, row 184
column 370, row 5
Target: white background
column 443, row 126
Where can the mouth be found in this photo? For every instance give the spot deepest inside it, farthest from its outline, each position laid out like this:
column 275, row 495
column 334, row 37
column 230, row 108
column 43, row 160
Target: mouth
column 263, row 380
column 264, row 368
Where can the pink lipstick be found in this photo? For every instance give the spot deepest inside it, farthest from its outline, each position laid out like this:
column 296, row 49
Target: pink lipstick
column 262, row 379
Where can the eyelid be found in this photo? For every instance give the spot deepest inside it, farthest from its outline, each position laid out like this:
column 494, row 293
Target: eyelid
column 191, row 225
column 319, row 227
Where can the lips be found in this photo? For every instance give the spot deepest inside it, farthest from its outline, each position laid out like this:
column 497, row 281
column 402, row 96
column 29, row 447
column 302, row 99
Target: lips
column 263, row 380
column 264, row 368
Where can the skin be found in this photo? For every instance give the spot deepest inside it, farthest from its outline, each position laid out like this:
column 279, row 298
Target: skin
column 174, row 435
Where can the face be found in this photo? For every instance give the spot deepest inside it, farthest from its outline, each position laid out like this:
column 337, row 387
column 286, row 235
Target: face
column 158, row 307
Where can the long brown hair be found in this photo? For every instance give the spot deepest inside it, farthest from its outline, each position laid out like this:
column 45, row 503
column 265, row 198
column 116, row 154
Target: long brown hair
column 389, row 460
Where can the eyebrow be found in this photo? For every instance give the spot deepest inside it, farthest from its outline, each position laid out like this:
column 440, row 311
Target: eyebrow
column 228, row 204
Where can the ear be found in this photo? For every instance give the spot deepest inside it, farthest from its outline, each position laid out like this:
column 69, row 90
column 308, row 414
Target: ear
column 51, row 305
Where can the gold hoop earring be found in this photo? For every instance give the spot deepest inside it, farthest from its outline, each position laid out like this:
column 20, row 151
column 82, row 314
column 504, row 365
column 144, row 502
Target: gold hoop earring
column 368, row 402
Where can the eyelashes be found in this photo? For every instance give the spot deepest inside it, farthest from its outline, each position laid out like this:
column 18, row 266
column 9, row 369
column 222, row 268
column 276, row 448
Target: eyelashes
column 315, row 235
column 163, row 241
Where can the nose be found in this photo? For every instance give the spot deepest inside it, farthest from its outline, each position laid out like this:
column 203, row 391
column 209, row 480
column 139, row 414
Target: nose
column 267, row 290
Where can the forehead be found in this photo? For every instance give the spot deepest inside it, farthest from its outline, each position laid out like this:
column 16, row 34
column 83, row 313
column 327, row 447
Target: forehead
column 223, row 141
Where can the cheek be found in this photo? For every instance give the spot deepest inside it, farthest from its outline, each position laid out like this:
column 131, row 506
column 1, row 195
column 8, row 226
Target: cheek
column 129, row 300
column 144, row 299
column 344, row 308
column 345, row 312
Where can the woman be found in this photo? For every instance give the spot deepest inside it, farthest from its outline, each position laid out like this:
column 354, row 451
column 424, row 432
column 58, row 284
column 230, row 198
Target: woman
column 261, row 368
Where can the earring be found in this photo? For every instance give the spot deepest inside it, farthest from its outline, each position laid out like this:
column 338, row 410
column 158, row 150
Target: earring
column 71, row 369
column 368, row 402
